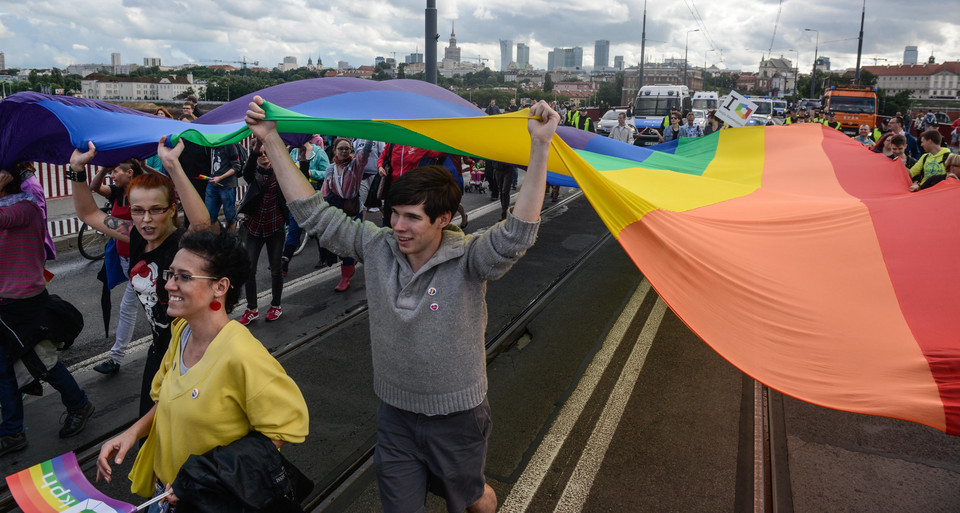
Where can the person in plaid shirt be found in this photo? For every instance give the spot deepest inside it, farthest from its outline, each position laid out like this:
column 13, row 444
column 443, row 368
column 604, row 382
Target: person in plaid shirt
column 266, row 210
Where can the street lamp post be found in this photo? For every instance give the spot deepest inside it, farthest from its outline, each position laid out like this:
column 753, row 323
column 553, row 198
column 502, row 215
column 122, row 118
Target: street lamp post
column 705, row 68
column 796, row 72
column 813, row 78
column 685, row 47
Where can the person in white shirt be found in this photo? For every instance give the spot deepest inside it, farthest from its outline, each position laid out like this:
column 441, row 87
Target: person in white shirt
column 622, row 132
column 691, row 129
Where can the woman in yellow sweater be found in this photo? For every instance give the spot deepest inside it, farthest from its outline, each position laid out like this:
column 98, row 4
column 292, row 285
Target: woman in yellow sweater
column 216, row 382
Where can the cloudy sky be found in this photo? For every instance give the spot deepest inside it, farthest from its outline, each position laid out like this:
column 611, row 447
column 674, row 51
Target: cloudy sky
column 62, row 32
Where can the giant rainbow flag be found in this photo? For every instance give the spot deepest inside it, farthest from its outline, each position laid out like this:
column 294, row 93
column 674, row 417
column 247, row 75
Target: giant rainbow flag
column 795, row 253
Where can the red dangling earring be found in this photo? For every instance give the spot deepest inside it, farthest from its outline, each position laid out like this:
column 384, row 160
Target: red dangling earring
column 215, row 305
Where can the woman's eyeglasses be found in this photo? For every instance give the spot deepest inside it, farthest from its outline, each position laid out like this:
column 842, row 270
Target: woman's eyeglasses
column 184, row 277
column 155, row 211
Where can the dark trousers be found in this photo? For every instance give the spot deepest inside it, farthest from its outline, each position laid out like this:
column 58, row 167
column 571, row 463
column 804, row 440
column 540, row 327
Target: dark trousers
column 20, row 320
column 274, row 243
column 154, row 358
column 504, row 177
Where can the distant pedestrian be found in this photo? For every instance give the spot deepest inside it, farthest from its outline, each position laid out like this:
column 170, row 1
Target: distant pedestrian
column 341, row 188
column 863, row 137
column 116, row 194
column 225, row 166
column 898, row 146
column 691, row 129
column 930, row 169
column 266, row 212
column 713, row 123
column 492, row 108
column 673, row 130
column 23, row 312
column 621, row 132
column 313, row 162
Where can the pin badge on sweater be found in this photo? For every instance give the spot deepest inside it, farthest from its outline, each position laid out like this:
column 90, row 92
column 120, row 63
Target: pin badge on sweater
column 195, row 393
column 434, row 306
column 431, row 291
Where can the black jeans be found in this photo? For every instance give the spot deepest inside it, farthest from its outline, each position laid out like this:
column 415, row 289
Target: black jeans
column 504, row 175
column 274, row 243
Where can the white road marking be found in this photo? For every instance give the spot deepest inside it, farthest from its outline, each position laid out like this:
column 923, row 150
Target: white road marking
column 578, row 487
column 526, row 487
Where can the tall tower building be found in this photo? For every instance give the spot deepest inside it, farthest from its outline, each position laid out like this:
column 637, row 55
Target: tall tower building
column 575, row 57
column 565, row 59
column 618, row 62
column 506, row 53
column 452, row 53
column 523, row 56
column 601, row 54
column 3, row 62
column 115, row 62
column 909, row 55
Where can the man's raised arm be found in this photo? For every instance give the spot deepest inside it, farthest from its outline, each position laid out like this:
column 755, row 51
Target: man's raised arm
column 530, row 197
column 292, row 182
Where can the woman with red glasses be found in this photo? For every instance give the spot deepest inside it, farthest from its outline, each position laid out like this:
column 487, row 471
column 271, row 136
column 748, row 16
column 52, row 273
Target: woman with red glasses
column 153, row 234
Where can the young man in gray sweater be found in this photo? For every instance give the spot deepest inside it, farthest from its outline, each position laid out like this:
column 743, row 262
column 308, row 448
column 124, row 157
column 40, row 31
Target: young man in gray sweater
column 426, row 282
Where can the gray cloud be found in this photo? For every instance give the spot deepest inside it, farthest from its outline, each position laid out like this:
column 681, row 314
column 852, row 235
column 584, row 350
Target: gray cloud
column 59, row 32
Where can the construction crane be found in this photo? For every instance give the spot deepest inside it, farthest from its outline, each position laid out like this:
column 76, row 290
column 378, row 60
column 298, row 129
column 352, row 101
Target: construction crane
column 241, row 62
column 877, row 59
column 481, row 60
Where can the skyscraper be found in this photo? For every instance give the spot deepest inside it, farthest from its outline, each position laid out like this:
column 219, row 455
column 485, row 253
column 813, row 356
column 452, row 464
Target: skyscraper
column 452, row 53
column 574, row 58
column 506, row 53
column 523, row 56
column 565, row 59
column 115, row 62
column 601, row 54
column 3, row 62
column 618, row 62
column 910, row 55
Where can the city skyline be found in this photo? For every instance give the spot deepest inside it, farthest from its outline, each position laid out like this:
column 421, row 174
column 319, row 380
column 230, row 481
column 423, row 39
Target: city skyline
column 33, row 36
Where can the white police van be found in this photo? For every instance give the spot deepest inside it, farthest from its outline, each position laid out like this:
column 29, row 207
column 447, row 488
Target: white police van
column 653, row 104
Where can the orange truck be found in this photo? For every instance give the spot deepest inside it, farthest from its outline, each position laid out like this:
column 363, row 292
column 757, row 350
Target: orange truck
column 854, row 106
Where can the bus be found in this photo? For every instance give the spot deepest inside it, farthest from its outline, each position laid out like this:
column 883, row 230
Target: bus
column 652, row 104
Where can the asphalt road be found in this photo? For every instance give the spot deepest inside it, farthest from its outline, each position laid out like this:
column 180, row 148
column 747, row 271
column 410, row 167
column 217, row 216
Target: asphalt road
column 611, row 405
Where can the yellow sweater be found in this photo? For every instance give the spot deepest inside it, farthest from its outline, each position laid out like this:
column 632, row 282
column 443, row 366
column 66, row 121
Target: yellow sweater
column 236, row 387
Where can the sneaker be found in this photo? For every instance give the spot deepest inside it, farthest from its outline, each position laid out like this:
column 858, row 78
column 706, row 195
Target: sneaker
column 76, row 420
column 274, row 313
column 13, row 443
column 248, row 316
column 109, row 366
column 284, row 265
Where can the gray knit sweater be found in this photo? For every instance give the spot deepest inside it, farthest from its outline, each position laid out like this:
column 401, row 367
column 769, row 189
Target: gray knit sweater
column 426, row 328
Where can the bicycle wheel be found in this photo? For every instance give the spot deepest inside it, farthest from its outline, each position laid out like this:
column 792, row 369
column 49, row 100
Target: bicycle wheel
column 91, row 242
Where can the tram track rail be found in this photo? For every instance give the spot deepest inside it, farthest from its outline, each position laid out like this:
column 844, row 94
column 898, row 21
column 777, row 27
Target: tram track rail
column 351, row 471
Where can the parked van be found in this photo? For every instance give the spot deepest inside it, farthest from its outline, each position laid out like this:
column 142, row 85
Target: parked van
column 652, row 107
column 705, row 100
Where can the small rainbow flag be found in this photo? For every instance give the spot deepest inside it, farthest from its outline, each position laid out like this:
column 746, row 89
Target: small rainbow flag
column 743, row 111
column 58, row 486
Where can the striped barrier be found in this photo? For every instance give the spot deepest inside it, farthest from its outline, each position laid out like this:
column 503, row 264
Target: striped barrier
column 55, row 184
